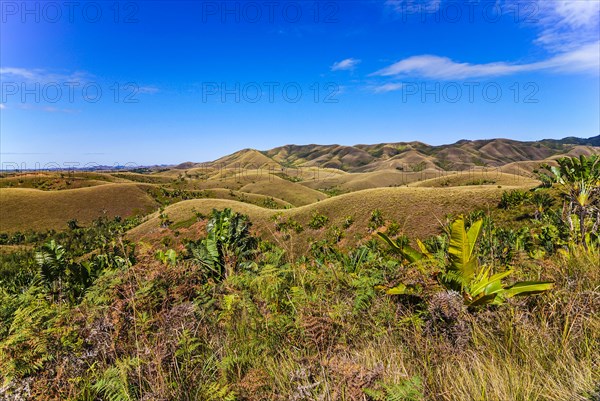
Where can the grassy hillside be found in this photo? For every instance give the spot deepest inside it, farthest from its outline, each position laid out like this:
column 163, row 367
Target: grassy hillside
column 419, row 212
column 32, row 209
column 288, row 176
column 293, row 193
column 476, row 178
column 359, row 181
column 232, row 317
column 458, row 156
column 53, row 181
column 497, row 302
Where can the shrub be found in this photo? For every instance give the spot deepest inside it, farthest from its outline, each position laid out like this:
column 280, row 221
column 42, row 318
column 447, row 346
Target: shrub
column 376, row 220
column 318, row 221
column 512, row 199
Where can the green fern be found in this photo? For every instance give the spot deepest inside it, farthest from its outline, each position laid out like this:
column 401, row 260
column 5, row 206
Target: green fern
column 114, row 384
column 27, row 347
column 408, row 390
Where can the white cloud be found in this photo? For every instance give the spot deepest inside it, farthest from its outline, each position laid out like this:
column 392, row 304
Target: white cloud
column 347, row 64
column 389, row 87
column 585, row 58
column 19, row 72
column 40, row 75
column 2, row 106
column 413, row 6
column 44, row 77
column 565, row 25
column 567, row 29
column 58, row 110
column 148, row 90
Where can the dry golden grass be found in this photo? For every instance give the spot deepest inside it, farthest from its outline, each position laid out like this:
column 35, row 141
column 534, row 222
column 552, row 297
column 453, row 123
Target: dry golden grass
column 418, row 210
column 246, row 197
column 144, row 178
column 478, row 177
column 7, row 249
column 53, row 181
column 24, row 209
column 376, row 179
column 291, row 192
column 247, row 158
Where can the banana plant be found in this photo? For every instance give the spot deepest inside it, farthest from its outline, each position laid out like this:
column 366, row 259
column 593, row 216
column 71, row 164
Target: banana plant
column 462, row 271
column 227, row 245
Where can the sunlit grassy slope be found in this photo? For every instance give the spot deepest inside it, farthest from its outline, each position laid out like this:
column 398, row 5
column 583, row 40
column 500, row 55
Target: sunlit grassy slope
column 419, row 211
column 32, row 209
column 475, row 178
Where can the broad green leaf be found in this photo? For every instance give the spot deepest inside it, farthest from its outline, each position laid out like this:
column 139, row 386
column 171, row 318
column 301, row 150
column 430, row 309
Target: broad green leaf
column 213, row 251
column 489, row 285
column 473, row 234
column 483, row 300
column 411, row 254
column 462, row 244
column 400, row 289
column 171, row 256
column 423, row 248
column 529, row 288
column 390, row 241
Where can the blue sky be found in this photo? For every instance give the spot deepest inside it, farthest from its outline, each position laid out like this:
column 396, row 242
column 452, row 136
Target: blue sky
column 151, row 82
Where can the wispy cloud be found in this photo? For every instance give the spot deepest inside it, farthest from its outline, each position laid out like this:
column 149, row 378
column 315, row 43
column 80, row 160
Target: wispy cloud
column 40, row 75
column 568, row 30
column 389, row 87
column 59, row 110
column 413, row 5
column 585, row 58
column 2, row 106
column 566, row 25
column 347, row 64
column 47, row 109
column 148, row 90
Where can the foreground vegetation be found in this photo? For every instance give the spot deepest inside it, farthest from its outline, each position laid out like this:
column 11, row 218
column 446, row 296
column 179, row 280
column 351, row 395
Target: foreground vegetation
column 481, row 311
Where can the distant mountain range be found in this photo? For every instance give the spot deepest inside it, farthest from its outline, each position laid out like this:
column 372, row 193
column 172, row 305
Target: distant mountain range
column 366, row 158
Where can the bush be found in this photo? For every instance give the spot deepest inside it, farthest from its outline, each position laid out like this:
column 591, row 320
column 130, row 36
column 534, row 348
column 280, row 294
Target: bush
column 348, row 221
column 318, row 221
column 376, row 220
column 512, row 199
